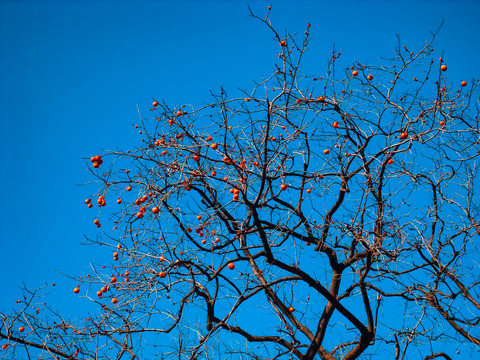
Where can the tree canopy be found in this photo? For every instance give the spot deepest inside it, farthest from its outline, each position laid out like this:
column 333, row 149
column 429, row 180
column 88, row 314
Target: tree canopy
column 331, row 216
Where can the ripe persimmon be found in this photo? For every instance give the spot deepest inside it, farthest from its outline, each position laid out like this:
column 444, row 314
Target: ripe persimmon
column 291, row 309
column 404, row 135
column 443, row 67
column 463, row 83
column 21, row 329
column 214, row 146
column 97, row 158
column 155, row 104
column 370, row 77
column 231, row 266
column 76, row 290
column 354, row 73
column 335, row 124
column 214, row 173
column 156, row 210
column 283, row 43
column 113, row 280
column 129, row 188
column 114, row 300
column 391, row 161
column 119, row 201
column 283, row 187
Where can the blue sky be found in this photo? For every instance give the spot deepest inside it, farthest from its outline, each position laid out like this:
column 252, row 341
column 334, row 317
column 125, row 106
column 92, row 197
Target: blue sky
column 73, row 72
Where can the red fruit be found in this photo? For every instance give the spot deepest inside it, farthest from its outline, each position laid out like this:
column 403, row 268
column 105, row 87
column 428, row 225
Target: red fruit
column 114, row 300
column 391, row 161
column 155, row 210
column 113, row 280
column 99, row 293
column 21, row 329
column 96, row 221
column 354, row 73
column 326, row 151
column 291, row 309
column 298, row 101
column 214, row 146
column 404, row 135
column 214, row 173
column 231, row 266
column 139, row 215
column 335, row 124
column 5, row 346
column 283, row 43
column 443, row 67
column 284, row 187
column 163, row 274
column 309, row 191
column 119, row 201
column 129, row 188
column 88, row 201
column 463, row 83
column 370, row 77
column 196, row 157
column 155, row 104
column 76, row 290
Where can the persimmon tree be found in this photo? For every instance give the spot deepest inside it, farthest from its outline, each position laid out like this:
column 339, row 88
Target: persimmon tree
column 326, row 217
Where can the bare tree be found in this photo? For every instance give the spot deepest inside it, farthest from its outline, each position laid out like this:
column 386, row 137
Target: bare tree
column 333, row 217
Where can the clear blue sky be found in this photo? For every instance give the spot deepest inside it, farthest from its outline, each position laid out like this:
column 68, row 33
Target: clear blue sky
column 73, row 72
